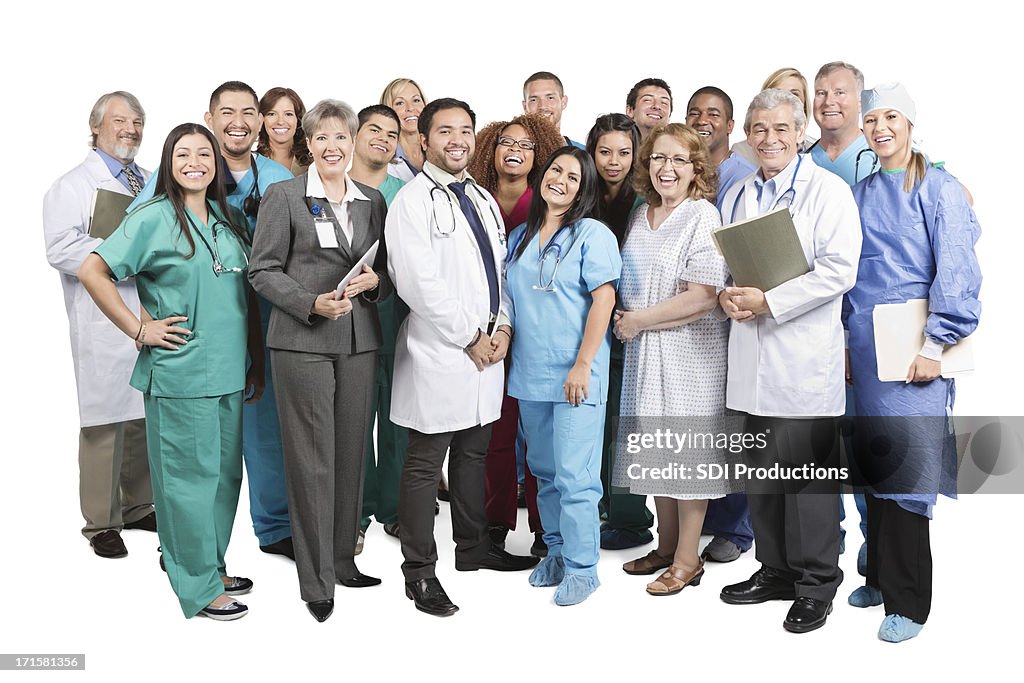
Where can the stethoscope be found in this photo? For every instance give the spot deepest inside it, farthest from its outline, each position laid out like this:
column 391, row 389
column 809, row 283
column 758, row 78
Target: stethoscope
column 856, row 162
column 553, row 246
column 790, row 192
column 449, row 231
column 218, row 265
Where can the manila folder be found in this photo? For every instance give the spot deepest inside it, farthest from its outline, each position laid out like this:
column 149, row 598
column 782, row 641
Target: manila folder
column 763, row 251
column 899, row 334
column 108, row 209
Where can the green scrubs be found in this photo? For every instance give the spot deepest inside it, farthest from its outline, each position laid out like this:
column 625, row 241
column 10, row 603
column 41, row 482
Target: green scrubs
column 193, row 395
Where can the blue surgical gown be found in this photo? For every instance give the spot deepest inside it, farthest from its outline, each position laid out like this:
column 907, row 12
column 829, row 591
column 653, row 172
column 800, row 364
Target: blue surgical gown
column 917, row 245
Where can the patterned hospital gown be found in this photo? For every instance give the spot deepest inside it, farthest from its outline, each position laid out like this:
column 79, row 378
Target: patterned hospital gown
column 677, row 373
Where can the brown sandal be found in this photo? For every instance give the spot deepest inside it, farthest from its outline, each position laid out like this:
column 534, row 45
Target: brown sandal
column 648, row 564
column 674, row 580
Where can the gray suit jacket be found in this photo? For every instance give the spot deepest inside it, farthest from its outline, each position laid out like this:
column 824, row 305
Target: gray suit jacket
column 289, row 269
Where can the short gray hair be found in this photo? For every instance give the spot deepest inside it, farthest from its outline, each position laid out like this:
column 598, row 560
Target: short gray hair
column 99, row 110
column 772, row 98
column 826, row 69
column 329, row 109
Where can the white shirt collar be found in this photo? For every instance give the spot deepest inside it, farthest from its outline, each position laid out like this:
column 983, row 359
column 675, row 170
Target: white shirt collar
column 315, row 187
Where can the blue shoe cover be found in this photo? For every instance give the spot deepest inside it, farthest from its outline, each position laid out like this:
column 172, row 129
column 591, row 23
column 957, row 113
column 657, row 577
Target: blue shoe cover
column 549, row 572
column 575, row 588
column 865, row 596
column 862, row 560
column 896, row 628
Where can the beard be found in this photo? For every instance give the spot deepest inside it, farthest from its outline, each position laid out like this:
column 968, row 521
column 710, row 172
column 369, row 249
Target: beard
column 126, row 152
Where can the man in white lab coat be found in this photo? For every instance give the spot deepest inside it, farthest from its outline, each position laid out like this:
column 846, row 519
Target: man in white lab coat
column 115, row 488
column 446, row 252
column 786, row 364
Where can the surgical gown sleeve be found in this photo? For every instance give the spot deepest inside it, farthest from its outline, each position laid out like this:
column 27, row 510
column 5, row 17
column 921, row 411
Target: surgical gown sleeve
column 953, row 305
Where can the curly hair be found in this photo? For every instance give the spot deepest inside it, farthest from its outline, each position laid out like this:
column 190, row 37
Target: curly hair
column 299, row 149
column 538, row 128
column 705, row 179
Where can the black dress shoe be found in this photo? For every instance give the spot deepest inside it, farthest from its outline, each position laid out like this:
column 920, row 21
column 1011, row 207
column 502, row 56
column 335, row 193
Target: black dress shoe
column 807, row 614
column 392, row 529
column 321, row 609
column 360, row 580
column 430, row 597
column 766, row 584
column 282, row 547
column 147, row 523
column 108, row 544
column 498, row 560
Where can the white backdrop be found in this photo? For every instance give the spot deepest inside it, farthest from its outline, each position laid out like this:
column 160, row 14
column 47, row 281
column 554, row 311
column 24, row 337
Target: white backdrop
column 57, row 597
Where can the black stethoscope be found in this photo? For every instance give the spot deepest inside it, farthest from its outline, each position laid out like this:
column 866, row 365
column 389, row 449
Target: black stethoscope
column 450, row 228
column 790, row 192
column 218, row 265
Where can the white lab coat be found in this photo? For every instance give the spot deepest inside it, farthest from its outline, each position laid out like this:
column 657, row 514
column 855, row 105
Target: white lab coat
column 103, row 355
column 437, row 388
column 791, row 363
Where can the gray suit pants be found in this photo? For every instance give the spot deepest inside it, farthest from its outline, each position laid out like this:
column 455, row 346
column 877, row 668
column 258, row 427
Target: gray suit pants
column 324, row 403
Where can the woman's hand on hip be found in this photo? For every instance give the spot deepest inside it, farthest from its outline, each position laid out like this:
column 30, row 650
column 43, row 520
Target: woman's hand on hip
column 165, row 333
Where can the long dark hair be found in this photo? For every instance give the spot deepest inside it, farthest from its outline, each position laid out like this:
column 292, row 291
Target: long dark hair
column 615, row 214
column 583, row 206
column 215, row 192
column 299, row 149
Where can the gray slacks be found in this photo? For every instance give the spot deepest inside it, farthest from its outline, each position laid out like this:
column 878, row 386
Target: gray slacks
column 418, row 489
column 324, row 403
column 114, row 484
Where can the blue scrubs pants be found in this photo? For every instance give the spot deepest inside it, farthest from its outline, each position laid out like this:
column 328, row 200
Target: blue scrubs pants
column 194, row 449
column 264, row 458
column 564, row 455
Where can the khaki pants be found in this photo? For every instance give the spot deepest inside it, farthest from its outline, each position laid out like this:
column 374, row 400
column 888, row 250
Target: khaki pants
column 114, row 475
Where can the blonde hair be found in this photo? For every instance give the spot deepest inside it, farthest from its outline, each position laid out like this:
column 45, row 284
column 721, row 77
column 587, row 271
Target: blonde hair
column 779, row 75
column 392, row 88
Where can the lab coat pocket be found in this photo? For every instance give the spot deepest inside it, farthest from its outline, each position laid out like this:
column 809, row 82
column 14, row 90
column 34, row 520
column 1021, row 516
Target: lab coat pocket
column 798, row 361
column 105, row 350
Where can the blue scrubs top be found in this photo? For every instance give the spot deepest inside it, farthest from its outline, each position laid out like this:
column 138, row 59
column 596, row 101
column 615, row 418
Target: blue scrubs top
column 549, row 325
column 846, row 165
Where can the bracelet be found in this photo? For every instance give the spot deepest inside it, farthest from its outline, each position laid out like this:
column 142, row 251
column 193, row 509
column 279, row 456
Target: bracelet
column 475, row 340
column 141, row 336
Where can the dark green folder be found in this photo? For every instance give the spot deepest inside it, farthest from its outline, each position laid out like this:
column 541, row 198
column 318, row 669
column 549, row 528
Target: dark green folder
column 762, row 252
column 108, row 209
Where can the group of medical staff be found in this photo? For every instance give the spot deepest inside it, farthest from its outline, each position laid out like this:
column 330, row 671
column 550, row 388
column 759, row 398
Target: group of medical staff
column 505, row 300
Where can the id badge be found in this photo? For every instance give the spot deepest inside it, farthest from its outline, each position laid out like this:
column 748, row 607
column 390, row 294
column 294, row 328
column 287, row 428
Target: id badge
column 325, row 233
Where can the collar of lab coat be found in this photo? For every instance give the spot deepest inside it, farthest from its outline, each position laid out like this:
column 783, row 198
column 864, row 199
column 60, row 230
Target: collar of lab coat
column 100, row 174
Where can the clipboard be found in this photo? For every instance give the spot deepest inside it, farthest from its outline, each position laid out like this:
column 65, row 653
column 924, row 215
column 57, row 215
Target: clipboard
column 108, row 210
column 899, row 333
column 366, row 260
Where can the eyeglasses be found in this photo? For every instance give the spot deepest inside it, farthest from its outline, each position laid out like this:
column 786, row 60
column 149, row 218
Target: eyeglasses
column 525, row 143
column 676, row 161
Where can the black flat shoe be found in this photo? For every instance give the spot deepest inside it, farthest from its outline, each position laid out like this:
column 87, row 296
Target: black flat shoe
column 429, row 597
column 498, row 560
column 807, row 614
column 108, row 544
column 539, row 547
column 282, row 547
column 360, row 580
column 392, row 529
column 147, row 523
column 765, row 584
column 321, row 609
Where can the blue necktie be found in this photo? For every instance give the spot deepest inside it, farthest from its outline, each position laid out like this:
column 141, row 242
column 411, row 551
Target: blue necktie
column 486, row 253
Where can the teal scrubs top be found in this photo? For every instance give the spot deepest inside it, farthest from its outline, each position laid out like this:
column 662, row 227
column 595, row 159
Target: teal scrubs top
column 149, row 246
column 549, row 325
